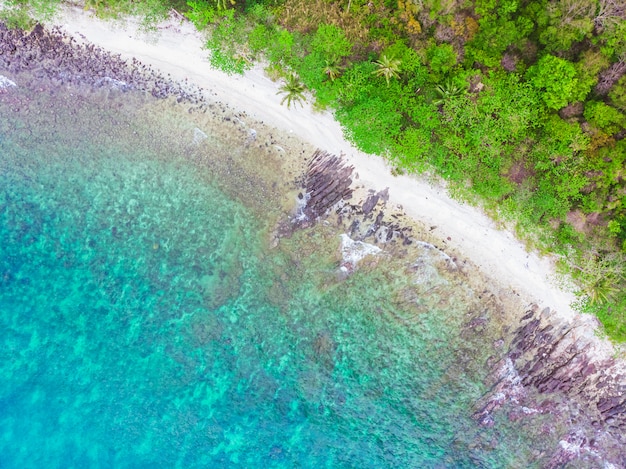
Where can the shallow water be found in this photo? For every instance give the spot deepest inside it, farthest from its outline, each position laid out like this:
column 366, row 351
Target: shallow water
column 146, row 321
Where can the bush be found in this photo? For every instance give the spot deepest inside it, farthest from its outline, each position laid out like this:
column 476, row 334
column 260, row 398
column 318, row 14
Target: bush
column 604, row 117
column 441, row 60
column 556, row 79
column 618, row 94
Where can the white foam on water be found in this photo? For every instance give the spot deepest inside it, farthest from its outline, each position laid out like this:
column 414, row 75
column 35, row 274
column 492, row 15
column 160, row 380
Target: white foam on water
column 354, row 251
column 300, row 206
column 441, row 254
column 199, row 136
column 6, row 83
column 116, row 84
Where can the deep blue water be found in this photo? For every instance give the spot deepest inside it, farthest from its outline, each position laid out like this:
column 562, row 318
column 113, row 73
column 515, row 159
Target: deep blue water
column 145, row 321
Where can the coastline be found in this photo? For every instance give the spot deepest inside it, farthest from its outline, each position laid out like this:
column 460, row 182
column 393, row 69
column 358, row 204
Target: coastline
column 554, row 351
column 176, row 49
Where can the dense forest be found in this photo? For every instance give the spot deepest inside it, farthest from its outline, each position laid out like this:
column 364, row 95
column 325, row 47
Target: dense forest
column 520, row 105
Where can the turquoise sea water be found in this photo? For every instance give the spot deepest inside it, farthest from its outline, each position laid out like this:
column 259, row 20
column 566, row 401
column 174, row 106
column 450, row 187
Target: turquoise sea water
column 146, row 321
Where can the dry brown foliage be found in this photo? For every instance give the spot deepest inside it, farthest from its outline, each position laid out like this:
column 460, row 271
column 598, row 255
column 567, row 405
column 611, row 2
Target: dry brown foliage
column 609, row 77
column 519, row 172
column 305, row 16
column 599, row 139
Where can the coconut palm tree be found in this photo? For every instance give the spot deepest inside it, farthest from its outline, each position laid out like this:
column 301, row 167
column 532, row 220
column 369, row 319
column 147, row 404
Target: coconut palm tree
column 388, row 67
column 332, row 70
column 293, row 89
column 224, row 4
column 447, row 91
column 602, row 276
column 602, row 291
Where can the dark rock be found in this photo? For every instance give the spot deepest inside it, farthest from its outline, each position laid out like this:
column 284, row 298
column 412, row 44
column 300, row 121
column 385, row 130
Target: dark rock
column 546, row 358
column 326, row 182
column 370, row 203
column 53, row 55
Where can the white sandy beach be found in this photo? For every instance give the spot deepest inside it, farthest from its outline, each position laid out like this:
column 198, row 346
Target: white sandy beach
column 177, row 49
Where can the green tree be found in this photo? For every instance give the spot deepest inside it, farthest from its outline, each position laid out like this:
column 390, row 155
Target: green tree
column 200, row 14
column 328, row 47
column 618, row 94
column 500, row 27
column 412, row 66
column 487, row 132
column 330, row 43
column 279, row 49
column 228, row 42
column 373, row 124
column 561, row 170
column 591, row 62
column 441, row 59
column 569, row 21
column 613, row 40
column 355, row 84
column 293, row 89
column 604, row 117
column 556, row 79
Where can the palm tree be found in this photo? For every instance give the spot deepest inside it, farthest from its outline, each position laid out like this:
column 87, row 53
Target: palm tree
column 447, row 91
column 388, row 67
column 224, row 4
column 602, row 291
column 332, row 70
column 293, row 89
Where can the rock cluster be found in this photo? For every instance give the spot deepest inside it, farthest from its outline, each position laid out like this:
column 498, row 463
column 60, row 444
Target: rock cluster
column 326, row 181
column 551, row 368
column 327, row 191
column 54, row 55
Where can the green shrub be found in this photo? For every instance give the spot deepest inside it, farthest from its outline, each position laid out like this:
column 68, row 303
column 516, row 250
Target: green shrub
column 618, row 94
column 227, row 43
column 441, row 60
column 604, row 117
column 330, row 43
column 556, row 79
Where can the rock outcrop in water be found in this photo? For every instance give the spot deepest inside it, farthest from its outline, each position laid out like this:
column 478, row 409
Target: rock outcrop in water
column 553, row 368
column 326, row 181
column 327, row 192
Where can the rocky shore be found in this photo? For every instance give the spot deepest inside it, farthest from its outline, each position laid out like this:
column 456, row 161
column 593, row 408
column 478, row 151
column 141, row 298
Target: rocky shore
column 548, row 366
column 327, row 187
column 551, row 367
column 62, row 60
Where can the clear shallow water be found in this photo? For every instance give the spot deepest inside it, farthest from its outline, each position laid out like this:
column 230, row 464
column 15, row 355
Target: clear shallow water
column 145, row 321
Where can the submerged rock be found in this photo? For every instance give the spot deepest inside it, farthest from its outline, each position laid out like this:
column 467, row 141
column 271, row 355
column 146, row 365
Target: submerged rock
column 327, row 181
column 199, row 136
